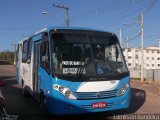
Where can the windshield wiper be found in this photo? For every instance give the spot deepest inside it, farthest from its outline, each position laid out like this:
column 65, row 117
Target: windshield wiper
column 81, row 67
column 80, row 70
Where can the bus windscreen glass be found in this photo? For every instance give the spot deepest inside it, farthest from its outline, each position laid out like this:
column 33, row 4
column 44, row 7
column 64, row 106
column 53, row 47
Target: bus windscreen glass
column 86, row 54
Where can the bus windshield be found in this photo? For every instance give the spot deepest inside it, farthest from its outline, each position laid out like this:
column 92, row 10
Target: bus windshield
column 86, row 54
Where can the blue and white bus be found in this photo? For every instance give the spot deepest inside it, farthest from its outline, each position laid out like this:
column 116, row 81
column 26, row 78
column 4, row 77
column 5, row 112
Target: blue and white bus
column 74, row 70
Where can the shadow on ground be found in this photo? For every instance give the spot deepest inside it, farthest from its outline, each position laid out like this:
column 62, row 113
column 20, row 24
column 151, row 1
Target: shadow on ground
column 8, row 80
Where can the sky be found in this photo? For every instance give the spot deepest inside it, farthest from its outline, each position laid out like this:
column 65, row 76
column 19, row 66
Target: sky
column 20, row 18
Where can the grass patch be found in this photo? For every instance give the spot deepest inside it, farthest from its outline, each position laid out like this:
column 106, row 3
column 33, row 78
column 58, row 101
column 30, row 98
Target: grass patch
column 135, row 78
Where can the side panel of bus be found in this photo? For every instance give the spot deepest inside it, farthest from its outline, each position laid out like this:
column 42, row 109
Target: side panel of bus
column 29, row 63
column 26, row 65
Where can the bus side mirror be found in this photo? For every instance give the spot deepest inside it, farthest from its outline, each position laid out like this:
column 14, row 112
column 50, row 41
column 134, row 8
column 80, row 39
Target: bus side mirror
column 44, row 59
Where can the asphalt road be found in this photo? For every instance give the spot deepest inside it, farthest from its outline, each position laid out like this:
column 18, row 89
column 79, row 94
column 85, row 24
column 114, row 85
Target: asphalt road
column 145, row 97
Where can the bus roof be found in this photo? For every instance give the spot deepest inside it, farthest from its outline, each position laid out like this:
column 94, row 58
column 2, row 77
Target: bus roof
column 62, row 28
column 75, row 28
column 68, row 28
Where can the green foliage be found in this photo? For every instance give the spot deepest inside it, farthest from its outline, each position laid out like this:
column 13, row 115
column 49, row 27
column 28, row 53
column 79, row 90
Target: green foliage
column 135, row 78
column 7, row 56
column 1, row 56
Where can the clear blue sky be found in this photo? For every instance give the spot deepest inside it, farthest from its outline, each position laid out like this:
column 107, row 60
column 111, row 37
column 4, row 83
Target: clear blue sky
column 19, row 18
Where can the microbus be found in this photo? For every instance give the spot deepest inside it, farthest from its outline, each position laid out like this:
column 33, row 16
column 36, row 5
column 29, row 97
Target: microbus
column 73, row 70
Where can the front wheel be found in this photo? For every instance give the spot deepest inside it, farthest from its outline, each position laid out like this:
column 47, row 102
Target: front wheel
column 41, row 100
column 43, row 108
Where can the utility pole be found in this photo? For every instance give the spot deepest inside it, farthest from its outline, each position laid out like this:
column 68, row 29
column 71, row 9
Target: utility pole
column 142, row 47
column 127, row 47
column 66, row 11
column 120, row 37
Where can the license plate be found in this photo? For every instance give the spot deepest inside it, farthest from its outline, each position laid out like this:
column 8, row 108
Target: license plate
column 99, row 105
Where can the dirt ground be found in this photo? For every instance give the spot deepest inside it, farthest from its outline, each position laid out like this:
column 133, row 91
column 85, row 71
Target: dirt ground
column 150, row 92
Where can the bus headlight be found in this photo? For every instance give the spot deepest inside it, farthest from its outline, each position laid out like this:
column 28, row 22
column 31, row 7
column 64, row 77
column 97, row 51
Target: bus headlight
column 65, row 91
column 123, row 89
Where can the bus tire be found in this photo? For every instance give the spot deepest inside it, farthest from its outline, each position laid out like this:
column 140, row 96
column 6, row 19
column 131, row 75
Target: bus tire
column 41, row 100
column 24, row 92
column 43, row 108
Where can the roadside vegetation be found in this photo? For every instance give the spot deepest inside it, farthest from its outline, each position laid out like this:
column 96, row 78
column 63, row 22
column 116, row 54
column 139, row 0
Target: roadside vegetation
column 7, row 57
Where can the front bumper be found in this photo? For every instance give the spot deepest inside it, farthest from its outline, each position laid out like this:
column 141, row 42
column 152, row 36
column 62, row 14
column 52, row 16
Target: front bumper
column 57, row 104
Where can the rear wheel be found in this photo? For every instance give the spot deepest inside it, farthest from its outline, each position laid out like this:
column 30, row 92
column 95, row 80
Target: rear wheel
column 24, row 91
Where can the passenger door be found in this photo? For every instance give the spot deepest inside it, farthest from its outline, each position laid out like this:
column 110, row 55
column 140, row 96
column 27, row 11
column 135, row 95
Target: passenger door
column 36, row 63
column 44, row 67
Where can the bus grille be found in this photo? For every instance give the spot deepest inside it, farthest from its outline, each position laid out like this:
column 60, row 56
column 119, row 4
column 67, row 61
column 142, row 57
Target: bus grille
column 89, row 107
column 96, row 95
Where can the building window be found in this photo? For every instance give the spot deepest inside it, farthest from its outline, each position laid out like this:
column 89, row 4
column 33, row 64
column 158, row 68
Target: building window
column 147, row 51
column 147, row 58
column 129, row 50
column 129, row 64
column 152, row 51
column 158, row 65
column 152, row 65
column 152, row 58
column 129, row 57
column 147, row 65
column 158, row 58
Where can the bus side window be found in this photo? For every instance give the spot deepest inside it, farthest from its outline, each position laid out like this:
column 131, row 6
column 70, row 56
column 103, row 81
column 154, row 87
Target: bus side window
column 17, row 53
column 29, row 51
column 44, row 53
column 24, row 51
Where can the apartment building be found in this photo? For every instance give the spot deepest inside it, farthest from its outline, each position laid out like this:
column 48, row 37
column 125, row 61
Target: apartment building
column 151, row 57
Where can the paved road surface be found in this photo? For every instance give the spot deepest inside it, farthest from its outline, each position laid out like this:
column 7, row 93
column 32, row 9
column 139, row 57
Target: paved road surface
column 145, row 99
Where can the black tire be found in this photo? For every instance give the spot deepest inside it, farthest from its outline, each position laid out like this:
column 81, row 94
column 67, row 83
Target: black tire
column 41, row 100
column 43, row 108
column 24, row 92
